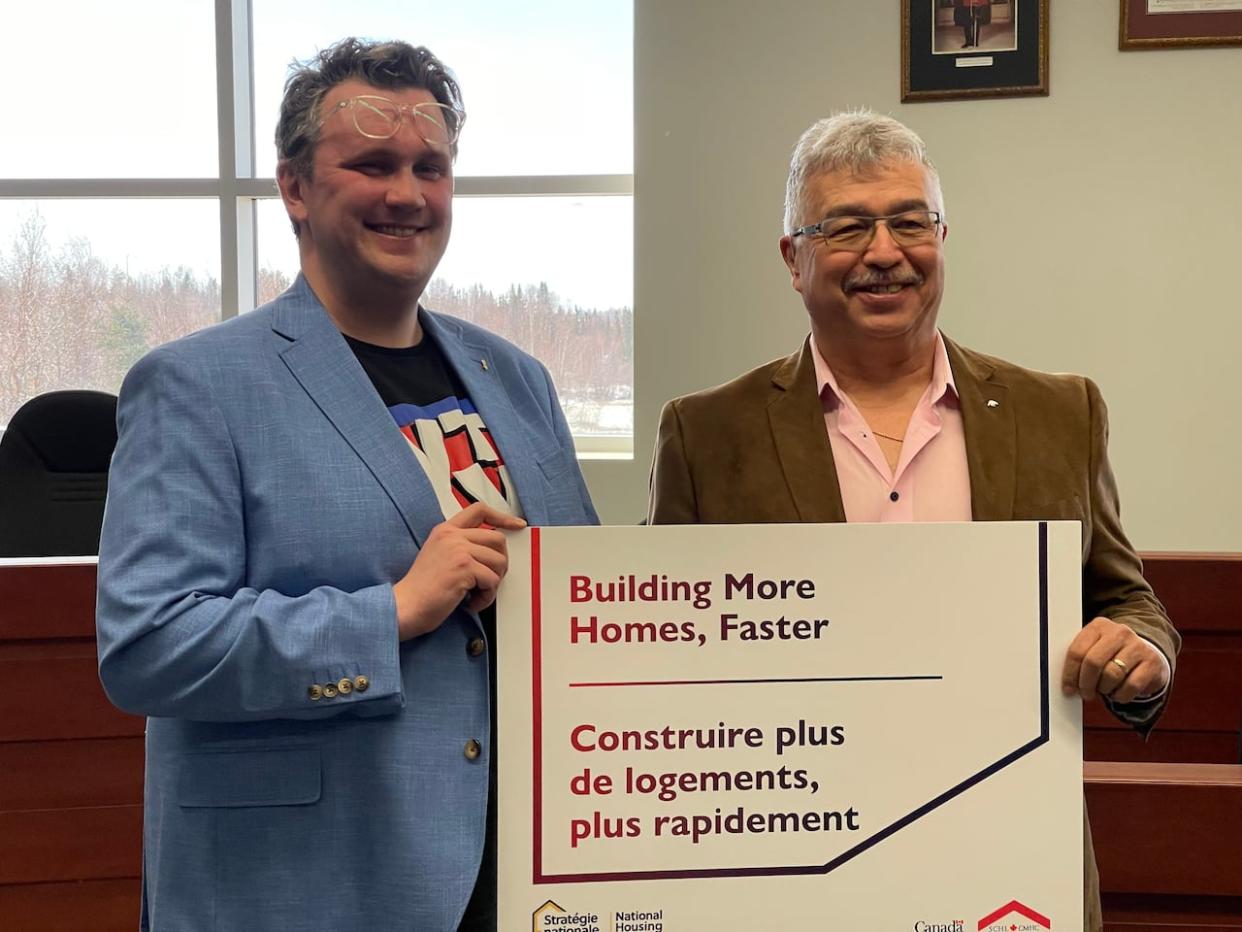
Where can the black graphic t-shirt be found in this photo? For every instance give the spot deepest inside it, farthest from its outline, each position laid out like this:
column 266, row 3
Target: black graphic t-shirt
column 446, row 434
column 455, row 449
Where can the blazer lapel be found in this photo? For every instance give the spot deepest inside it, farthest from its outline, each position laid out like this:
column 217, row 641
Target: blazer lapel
column 991, row 434
column 321, row 361
column 481, row 375
column 796, row 417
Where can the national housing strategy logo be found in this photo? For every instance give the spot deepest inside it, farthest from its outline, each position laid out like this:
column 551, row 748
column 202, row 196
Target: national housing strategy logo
column 552, row 917
column 1014, row 917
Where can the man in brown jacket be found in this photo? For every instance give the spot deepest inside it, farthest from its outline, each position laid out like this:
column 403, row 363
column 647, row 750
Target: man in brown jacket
column 879, row 417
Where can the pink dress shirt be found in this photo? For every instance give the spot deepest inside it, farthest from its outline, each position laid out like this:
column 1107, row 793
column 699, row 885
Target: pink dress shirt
column 932, row 479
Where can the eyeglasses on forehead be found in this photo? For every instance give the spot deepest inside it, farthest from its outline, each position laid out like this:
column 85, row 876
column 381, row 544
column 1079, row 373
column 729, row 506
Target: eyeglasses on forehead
column 381, row 118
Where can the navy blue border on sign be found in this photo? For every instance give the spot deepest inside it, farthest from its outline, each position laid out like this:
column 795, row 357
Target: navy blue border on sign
column 901, row 823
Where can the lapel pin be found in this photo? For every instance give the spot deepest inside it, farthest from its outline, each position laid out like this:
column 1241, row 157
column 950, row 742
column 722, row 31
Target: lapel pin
column 992, row 402
column 483, row 363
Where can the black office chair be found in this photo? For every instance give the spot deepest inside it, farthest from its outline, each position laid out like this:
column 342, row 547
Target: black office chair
column 54, row 474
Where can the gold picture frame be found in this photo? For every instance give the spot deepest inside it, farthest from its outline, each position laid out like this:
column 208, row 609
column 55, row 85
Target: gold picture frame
column 963, row 49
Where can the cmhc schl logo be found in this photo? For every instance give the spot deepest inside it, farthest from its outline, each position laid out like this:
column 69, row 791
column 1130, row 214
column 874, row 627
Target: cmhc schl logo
column 1014, row 917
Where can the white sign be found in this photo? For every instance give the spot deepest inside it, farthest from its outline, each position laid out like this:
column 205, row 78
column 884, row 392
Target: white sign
column 790, row 726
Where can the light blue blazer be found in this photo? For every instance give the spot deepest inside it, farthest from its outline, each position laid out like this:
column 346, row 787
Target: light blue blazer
column 260, row 506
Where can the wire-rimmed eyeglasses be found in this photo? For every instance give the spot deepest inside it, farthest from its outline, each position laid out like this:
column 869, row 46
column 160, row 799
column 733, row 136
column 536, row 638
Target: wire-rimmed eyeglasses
column 908, row 228
column 381, row 118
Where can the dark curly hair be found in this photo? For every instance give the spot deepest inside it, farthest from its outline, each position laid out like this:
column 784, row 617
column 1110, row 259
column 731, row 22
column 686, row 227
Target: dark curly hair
column 395, row 65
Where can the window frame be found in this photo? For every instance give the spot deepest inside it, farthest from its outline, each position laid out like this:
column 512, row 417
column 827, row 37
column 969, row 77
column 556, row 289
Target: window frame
column 238, row 192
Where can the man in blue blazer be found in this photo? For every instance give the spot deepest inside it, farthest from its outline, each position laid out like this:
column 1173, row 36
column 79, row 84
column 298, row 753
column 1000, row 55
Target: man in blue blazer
column 302, row 545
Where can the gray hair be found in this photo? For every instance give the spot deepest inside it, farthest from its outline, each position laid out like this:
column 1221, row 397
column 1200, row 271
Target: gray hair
column 393, row 65
column 853, row 141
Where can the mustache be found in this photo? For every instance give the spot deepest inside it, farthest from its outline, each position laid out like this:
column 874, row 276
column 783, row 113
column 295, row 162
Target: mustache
column 871, row 279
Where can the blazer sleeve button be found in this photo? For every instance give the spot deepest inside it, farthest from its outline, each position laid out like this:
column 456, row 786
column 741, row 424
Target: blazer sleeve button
column 345, row 686
column 314, row 693
column 329, row 690
column 361, row 684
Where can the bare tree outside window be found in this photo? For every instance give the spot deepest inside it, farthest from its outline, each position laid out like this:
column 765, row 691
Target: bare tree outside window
column 71, row 320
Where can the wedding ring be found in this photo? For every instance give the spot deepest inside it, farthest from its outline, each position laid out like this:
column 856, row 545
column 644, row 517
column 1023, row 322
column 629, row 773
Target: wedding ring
column 1120, row 663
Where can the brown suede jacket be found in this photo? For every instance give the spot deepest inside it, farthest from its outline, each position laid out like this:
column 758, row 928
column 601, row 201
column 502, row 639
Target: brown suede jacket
column 755, row 450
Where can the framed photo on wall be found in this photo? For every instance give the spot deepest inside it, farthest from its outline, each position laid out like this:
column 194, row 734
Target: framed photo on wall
column 1162, row 24
column 958, row 49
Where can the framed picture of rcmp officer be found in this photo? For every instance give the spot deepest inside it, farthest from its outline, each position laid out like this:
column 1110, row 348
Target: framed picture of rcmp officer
column 1163, row 24
column 958, row 49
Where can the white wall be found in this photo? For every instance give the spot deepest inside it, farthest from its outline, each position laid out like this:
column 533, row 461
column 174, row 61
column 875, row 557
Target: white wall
column 1098, row 230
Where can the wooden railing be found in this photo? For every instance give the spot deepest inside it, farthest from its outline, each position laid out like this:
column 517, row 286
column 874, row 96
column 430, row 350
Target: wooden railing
column 1203, row 723
column 1166, row 813
column 70, row 763
column 1168, row 838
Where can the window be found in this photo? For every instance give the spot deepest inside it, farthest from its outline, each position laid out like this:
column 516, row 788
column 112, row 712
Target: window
column 146, row 208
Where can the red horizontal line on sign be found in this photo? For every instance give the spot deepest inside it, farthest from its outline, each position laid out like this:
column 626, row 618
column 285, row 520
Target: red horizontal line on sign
column 799, row 679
